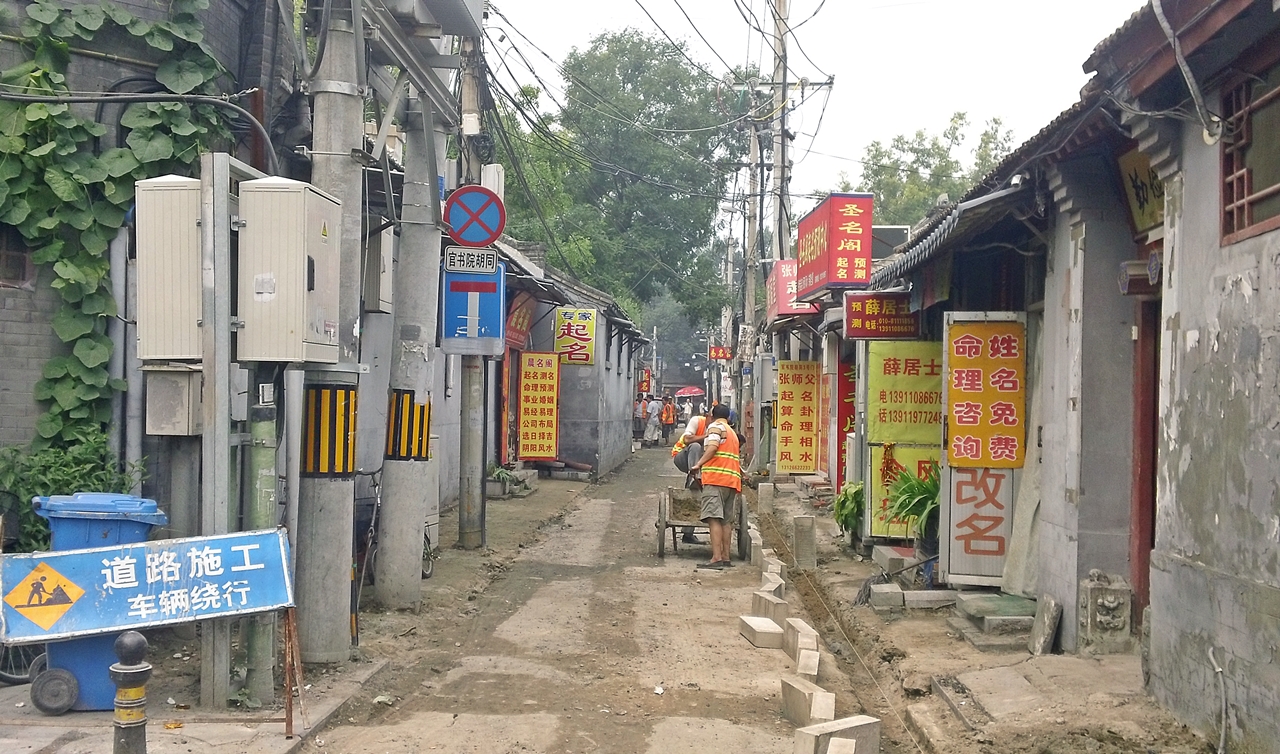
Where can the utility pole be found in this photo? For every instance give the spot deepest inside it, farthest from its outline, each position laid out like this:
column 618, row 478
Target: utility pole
column 747, row 343
column 410, row 483
column 471, row 452
column 781, row 169
column 326, row 504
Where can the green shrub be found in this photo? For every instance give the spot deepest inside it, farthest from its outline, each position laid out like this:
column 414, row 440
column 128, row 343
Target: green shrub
column 848, row 506
column 84, row 467
column 914, row 499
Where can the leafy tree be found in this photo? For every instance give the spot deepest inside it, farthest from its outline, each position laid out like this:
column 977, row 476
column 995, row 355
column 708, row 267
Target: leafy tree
column 908, row 174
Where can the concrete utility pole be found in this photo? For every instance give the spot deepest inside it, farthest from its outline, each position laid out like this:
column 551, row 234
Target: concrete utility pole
column 410, row 484
column 471, row 451
column 326, row 505
column 747, row 343
column 781, row 168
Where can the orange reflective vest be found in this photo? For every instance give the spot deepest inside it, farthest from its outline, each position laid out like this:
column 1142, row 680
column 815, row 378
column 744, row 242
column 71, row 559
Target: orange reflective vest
column 700, row 427
column 668, row 413
column 725, row 467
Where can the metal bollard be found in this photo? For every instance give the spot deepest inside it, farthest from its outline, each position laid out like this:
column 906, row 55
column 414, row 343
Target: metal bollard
column 130, row 677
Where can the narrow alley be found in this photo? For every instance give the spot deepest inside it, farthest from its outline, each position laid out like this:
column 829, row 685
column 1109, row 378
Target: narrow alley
column 585, row 641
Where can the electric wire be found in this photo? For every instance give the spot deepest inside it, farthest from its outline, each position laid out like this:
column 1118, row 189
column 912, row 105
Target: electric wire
column 698, row 31
column 678, row 46
column 322, row 41
column 1211, row 125
column 791, row 31
column 812, row 16
column 198, row 99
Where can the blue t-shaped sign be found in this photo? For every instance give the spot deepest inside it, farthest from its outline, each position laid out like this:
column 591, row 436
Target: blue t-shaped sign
column 474, row 313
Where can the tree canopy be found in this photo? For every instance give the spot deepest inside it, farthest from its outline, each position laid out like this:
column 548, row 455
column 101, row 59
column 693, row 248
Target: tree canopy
column 627, row 176
column 908, row 174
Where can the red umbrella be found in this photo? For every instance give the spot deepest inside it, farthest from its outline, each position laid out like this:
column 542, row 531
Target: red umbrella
column 689, row 392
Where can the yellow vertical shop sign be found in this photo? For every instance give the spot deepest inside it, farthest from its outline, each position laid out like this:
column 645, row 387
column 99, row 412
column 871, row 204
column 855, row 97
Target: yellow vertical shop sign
column 539, row 401
column 798, row 416
column 904, row 392
column 1144, row 190
column 887, row 462
column 986, row 394
column 576, row 335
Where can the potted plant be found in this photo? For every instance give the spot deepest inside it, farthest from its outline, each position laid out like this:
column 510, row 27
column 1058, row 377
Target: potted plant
column 847, row 508
column 915, row 500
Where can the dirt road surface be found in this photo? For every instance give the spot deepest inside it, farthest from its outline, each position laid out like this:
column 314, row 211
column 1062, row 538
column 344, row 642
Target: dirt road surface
column 562, row 644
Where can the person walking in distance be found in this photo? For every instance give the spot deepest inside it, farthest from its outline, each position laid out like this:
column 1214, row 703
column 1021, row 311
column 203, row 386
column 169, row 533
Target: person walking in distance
column 668, row 418
column 653, row 427
column 720, row 469
column 638, row 417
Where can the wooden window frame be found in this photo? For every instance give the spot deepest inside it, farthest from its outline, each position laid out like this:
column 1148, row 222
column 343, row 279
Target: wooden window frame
column 1237, row 194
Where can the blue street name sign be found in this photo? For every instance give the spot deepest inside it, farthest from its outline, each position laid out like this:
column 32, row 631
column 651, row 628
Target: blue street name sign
column 59, row 595
column 474, row 313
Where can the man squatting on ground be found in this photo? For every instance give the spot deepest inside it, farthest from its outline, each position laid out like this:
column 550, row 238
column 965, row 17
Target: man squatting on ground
column 721, row 473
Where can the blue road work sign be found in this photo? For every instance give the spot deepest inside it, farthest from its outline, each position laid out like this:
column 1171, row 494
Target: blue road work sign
column 474, row 313
column 59, row 595
column 475, row 216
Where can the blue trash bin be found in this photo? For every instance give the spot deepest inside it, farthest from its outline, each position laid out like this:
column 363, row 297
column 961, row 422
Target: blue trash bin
column 81, row 521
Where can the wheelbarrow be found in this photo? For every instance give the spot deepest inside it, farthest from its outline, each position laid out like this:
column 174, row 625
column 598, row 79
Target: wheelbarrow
column 678, row 509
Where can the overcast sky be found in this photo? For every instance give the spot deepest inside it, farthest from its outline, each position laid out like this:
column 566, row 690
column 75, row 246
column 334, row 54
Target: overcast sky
column 899, row 65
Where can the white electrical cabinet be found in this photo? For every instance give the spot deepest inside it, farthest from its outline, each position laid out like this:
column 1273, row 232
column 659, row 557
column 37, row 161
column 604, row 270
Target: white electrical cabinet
column 288, row 277
column 168, row 249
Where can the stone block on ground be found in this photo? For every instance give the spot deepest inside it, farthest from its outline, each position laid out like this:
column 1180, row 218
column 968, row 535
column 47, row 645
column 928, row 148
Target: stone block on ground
column 773, row 565
column 886, row 595
column 805, row 703
column 1001, row 692
column 807, row 665
column 764, row 497
column 804, row 545
column 761, row 632
column 798, row 635
column 1045, row 627
column 765, row 604
column 773, row 583
column 768, row 552
column 757, row 548
column 892, row 558
column 862, row 730
column 929, row 598
column 1007, row 624
column 842, row 746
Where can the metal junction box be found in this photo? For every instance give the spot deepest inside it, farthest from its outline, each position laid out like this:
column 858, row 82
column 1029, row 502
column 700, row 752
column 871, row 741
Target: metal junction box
column 288, row 278
column 379, row 270
column 168, row 248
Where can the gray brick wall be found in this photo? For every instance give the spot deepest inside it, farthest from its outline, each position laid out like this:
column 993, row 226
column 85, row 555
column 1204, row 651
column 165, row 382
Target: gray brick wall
column 27, row 341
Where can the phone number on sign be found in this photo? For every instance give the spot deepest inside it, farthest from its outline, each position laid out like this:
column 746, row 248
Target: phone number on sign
column 917, row 397
column 897, row 416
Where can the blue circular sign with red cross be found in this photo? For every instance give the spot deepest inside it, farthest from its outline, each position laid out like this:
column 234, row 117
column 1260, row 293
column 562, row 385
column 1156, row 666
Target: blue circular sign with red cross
column 475, row 216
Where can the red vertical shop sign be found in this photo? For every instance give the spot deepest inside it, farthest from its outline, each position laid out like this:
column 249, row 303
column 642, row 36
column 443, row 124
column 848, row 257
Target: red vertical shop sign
column 834, row 247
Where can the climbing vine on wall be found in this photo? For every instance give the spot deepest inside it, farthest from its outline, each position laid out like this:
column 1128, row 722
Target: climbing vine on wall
column 69, row 200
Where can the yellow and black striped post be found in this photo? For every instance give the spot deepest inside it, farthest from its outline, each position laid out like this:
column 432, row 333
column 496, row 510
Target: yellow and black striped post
column 408, row 427
column 329, row 431
column 130, row 676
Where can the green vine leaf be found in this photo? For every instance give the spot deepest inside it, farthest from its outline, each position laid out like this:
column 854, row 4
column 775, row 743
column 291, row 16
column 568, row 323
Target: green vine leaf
column 45, row 13
column 119, row 16
column 181, row 76
column 64, row 393
column 88, row 17
column 139, row 115
column 93, row 242
column 149, row 145
column 55, row 367
column 118, row 162
column 49, row 426
column 43, row 390
column 43, row 149
column 49, row 252
column 63, row 186
column 93, row 351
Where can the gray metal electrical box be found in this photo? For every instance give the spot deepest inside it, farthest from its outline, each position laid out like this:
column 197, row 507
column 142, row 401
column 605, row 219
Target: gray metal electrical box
column 288, row 279
column 169, row 287
column 379, row 269
column 173, row 400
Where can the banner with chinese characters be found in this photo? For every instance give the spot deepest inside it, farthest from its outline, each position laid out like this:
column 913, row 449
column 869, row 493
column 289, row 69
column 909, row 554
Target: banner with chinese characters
column 720, row 353
column 834, row 245
column 797, row 417
column 880, row 316
column 539, row 399
column 780, row 293
column 986, row 391
column 979, row 522
column 645, row 383
column 824, row 424
column 887, row 462
column 576, row 336
column 846, row 403
column 58, row 595
column 904, row 392
column 520, row 320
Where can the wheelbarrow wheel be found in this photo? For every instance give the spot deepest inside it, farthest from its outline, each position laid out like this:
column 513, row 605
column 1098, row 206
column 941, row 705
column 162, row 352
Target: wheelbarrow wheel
column 662, row 524
column 744, row 536
column 54, row 691
column 18, row 663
